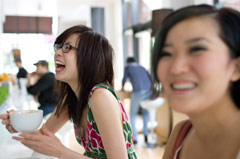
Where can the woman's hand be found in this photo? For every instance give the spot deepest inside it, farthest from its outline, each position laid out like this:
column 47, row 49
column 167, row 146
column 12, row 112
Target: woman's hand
column 6, row 121
column 46, row 143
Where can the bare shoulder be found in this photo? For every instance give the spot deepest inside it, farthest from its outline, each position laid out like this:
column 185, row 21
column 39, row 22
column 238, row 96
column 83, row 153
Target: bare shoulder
column 103, row 100
column 102, row 92
column 172, row 139
column 107, row 115
column 102, row 95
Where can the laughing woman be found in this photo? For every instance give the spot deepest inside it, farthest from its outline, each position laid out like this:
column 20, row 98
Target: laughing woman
column 84, row 69
column 197, row 60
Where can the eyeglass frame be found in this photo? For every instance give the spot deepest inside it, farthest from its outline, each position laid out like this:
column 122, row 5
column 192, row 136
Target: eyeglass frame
column 61, row 46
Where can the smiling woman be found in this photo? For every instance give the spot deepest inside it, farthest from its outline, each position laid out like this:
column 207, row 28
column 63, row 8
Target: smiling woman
column 196, row 58
column 84, row 71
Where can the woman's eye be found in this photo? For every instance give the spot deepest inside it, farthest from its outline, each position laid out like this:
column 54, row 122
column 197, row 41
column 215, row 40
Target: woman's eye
column 196, row 49
column 66, row 47
column 164, row 54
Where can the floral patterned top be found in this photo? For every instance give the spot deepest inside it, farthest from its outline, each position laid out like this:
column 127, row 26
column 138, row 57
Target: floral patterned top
column 93, row 143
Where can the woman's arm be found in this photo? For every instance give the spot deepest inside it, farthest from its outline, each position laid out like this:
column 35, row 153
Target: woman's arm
column 107, row 114
column 47, row 143
column 54, row 123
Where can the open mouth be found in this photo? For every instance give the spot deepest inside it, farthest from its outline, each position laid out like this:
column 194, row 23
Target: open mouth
column 59, row 66
column 183, row 86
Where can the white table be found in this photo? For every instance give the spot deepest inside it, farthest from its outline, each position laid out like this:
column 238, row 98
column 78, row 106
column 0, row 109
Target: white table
column 20, row 100
column 17, row 99
column 10, row 148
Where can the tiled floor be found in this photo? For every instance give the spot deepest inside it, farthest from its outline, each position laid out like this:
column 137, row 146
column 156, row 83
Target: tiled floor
column 143, row 152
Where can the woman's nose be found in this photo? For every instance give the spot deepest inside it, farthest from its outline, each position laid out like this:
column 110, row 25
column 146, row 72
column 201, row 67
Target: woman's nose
column 58, row 52
column 179, row 65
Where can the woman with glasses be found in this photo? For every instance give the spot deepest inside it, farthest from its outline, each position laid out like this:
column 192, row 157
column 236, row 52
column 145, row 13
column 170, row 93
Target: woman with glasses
column 197, row 60
column 84, row 69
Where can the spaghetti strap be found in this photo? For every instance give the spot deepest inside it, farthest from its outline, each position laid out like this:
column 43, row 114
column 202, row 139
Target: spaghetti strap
column 181, row 135
column 103, row 86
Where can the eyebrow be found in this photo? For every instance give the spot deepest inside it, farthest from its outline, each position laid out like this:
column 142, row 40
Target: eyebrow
column 68, row 43
column 197, row 39
column 193, row 40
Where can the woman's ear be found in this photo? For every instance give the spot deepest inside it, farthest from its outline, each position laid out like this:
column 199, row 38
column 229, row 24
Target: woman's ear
column 236, row 74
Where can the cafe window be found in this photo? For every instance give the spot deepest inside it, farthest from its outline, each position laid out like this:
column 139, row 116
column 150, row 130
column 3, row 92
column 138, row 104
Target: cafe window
column 25, row 24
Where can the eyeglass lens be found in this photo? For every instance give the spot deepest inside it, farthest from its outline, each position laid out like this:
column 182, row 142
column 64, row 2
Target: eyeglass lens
column 65, row 47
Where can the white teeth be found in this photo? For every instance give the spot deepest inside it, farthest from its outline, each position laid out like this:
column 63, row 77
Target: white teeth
column 57, row 62
column 183, row 86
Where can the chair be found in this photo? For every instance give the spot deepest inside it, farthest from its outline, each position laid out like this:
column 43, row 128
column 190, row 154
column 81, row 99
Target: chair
column 152, row 106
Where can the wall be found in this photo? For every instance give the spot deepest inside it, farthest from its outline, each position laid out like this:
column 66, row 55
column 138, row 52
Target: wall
column 74, row 11
column 1, row 21
column 115, row 35
column 71, row 12
column 176, row 4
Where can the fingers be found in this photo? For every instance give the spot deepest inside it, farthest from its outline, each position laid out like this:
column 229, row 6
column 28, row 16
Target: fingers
column 40, row 143
column 11, row 110
column 6, row 121
column 37, row 132
column 32, row 140
column 4, row 116
column 29, row 136
column 11, row 129
column 17, row 138
column 28, row 141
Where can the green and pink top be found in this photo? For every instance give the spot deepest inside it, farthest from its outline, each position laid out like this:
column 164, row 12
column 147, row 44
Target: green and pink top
column 93, row 143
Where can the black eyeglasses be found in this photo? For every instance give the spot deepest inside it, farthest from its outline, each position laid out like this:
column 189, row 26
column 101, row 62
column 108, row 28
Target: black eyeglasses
column 65, row 47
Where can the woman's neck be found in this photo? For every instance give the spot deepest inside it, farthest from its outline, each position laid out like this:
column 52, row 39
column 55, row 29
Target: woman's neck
column 221, row 121
column 75, row 88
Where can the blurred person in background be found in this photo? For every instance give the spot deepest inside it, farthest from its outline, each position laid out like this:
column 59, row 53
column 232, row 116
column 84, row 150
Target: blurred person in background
column 141, row 83
column 22, row 72
column 42, row 85
column 196, row 58
column 84, row 68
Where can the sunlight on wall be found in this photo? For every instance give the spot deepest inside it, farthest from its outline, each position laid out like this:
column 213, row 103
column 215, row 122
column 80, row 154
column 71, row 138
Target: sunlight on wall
column 33, row 47
column 153, row 4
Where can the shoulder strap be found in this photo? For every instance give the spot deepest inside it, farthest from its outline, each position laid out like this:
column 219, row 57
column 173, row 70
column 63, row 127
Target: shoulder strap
column 181, row 135
column 103, row 86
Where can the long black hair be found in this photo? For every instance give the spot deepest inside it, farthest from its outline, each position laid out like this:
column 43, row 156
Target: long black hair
column 94, row 63
column 228, row 21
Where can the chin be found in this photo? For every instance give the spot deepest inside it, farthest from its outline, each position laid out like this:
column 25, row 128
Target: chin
column 58, row 77
column 187, row 109
column 180, row 107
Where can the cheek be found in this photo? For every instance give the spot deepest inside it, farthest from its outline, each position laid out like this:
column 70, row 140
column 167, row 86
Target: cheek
column 73, row 68
column 161, row 71
column 211, row 66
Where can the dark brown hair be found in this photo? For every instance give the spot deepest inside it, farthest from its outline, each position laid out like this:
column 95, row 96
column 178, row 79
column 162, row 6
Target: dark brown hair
column 229, row 24
column 94, row 63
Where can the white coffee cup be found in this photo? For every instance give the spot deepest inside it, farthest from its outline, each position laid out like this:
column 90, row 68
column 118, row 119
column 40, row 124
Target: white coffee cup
column 26, row 121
